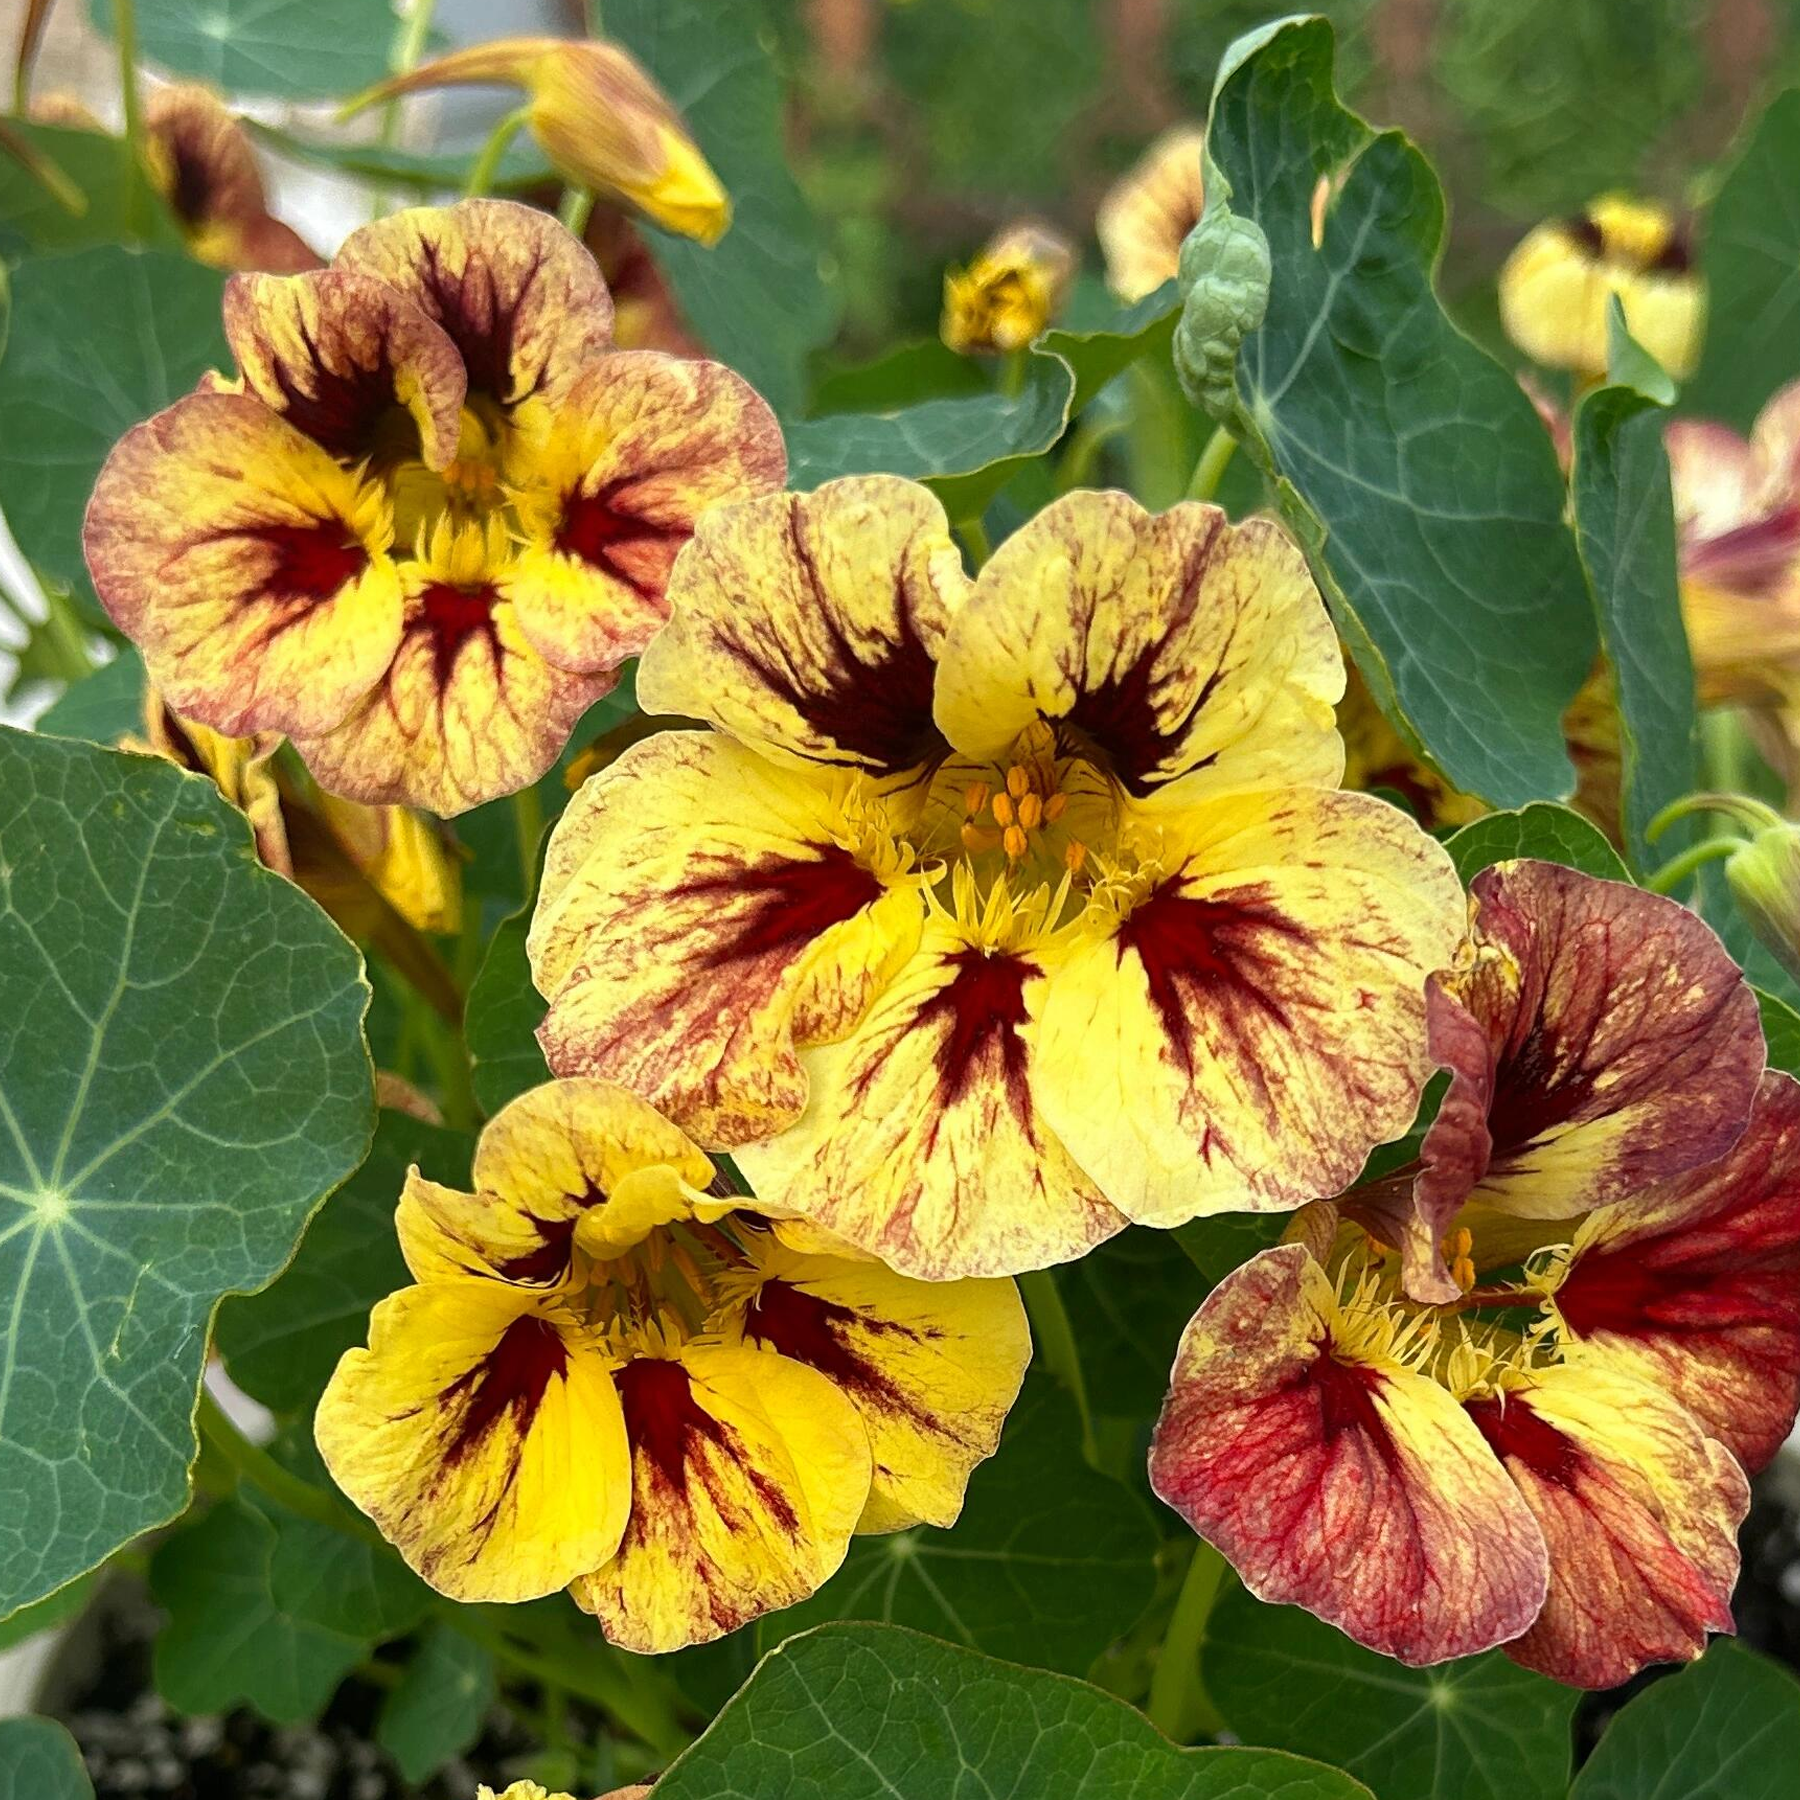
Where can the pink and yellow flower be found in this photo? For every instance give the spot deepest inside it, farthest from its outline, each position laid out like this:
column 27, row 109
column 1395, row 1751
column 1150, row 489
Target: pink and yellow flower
column 991, row 915
column 1553, row 1457
column 433, row 513
column 1147, row 215
column 612, row 1379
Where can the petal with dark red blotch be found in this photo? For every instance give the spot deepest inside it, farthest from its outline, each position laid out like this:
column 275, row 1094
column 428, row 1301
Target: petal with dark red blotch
column 699, row 915
column 349, row 361
column 612, row 481
column 1185, row 654
column 1243, row 1032
column 484, row 1437
column 248, row 567
column 1694, row 1285
column 519, row 296
column 922, row 1142
column 1362, row 1492
column 748, row 1475
column 200, row 159
column 563, row 1155
column 811, row 623
column 1639, row 1509
column 931, row 1366
column 1618, row 1041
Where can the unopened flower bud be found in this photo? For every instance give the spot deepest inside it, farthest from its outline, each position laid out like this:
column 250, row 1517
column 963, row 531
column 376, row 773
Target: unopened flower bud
column 1010, row 293
column 1224, row 279
column 1764, row 878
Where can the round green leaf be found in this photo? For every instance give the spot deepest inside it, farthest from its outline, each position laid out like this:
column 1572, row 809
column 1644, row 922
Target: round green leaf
column 39, row 1761
column 182, row 1079
column 1549, row 833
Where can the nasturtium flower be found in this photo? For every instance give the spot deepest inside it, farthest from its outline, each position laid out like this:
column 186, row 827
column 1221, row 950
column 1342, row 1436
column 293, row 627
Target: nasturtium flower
column 1010, row 293
column 991, row 915
column 601, row 120
column 1148, row 213
column 1377, row 757
column 431, row 516
column 1553, row 1457
column 1556, row 286
column 201, row 161
column 614, row 1379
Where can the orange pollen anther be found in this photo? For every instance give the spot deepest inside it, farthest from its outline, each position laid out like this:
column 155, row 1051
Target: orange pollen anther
column 1055, row 807
column 1003, row 809
column 1074, row 855
column 1015, row 841
column 1018, row 782
column 1031, row 811
column 471, row 477
column 975, row 796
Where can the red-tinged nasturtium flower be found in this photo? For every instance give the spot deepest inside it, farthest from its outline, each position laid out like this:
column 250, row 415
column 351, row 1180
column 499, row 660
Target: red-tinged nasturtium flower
column 1148, row 213
column 613, row 1380
column 992, row 915
column 1552, row 1458
column 431, row 516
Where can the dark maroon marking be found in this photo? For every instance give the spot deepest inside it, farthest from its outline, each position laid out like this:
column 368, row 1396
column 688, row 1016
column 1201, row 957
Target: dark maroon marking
column 483, row 328
column 1514, row 1431
column 1675, row 258
column 1621, row 1291
column 312, row 562
column 191, row 200
column 984, row 1005
column 1346, row 1394
column 813, row 1331
column 453, row 615
column 593, row 527
column 1530, row 1097
column 350, row 414
column 791, row 903
column 666, row 1424
column 549, row 1259
column 1584, row 234
column 1191, row 947
column 513, row 1377
column 1118, row 719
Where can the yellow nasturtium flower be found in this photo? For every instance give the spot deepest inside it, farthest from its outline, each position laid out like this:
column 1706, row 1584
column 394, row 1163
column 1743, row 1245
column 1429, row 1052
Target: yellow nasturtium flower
column 992, row 915
column 432, row 515
column 1555, row 287
column 1010, row 293
column 603, row 123
column 613, row 1380
column 1148, row 213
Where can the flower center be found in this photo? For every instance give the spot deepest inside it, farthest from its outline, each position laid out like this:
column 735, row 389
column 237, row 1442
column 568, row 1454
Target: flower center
column 470, row 489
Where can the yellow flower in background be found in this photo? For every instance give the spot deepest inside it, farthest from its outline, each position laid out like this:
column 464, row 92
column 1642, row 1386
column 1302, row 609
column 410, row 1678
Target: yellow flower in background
column 1555, row 286
column 431, row 516
column 601, row 120
column 1010, row 293
column 610, row 1378
column 992, row 915
column 1376, row 756
column 530, row 1790
column 1148, row 213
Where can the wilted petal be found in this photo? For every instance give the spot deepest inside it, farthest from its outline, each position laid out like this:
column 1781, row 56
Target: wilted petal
column 811, row 623
column 748, row 1475
column 1187, row 655
column 1359, row 1491
column 485, row 1440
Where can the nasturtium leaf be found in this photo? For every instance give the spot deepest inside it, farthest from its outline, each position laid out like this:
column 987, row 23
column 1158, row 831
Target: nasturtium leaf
column 1128, row 1302
column 1049, row 1563
column 1479, row 1729
column 1547, row 832
column 121, row 206
column 1217, row 1245
column 925, row 369
column 291, row 49
column 271, row 1610
column 427, row 173
column 46, row 1615
column 1781, row 1032
column 39, row 1761
column 501, row 1020
column 758, row 299
column 101, row 707
column 1408, row 461
column 182, row 1080
column 282, row 1344
column 438, row 1707
column 101, row 338
column 872, row 1712
column 1725, row 1728
column 1625, row 527
column 1750, row 257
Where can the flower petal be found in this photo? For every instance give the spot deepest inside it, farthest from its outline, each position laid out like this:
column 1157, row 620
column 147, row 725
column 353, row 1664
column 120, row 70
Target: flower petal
column 921, row 1143
column 931, row 1367
column 1624, row 1043
column 522, row 300
column 1147, row 213
column 486, row 1442
column 1174, row 644
column 250, row 569
column 1639, row 1509
column 1251, row 1027
column 1358, row 1491
column 336, row 353
column 811, row 623
column 697, row 916
column 643, row 445
column 748, row 1475
column 1694, row 1285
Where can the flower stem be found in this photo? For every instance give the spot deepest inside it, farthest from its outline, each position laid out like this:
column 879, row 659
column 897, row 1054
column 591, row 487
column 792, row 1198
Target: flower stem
column 528, row 823
column 1054, row 1338
column 1210, row 469
column 1740, row 808
column 974, row 538
column 577, row 207
column 1678, row 869
column 125, row 41
column 1178, row 1702
column 487, row 164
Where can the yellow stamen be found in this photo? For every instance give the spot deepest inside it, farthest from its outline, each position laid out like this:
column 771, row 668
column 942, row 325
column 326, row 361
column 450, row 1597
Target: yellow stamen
column 1018, row 782
column 1074, row 856
column 1055, row 807
column 1462, row 1272
column 1031, row 811
column 975, row 796
column 1015, row 841
column 1003, row 809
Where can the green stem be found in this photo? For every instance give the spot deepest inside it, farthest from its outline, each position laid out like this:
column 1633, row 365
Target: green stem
column 125, row 40
column 1678, row 869
column 481, row 176
column 409, row 46
column 1740, row 808
column 1723, row 749
column 1178, row 1701
column 1210, row 469
column 528, row 823
column 1012, row 373
column 974, row 538
column 576, row 209
column 66, row 635
column 1054, row 1337
column 1086, row 441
